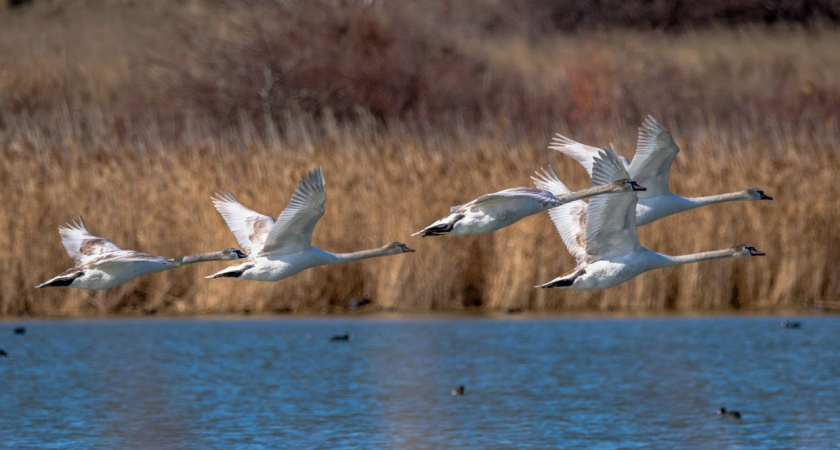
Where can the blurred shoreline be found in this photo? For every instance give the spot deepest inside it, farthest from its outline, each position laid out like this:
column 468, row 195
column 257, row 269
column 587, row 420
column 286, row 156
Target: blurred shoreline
column 440, row 315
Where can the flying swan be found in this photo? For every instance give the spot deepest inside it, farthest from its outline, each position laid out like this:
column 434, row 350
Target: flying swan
column 281, row 249
column 100, row 264
column 492, row 212
column 651, row 166
column 602, row 235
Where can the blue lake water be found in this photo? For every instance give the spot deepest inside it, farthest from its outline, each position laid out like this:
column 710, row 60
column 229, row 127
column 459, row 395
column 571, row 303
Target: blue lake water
column 541, row 383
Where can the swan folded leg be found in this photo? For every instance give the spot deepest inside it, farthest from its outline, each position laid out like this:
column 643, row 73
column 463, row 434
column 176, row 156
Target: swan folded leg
column 231, row 272
column 443, row 226
column 564, row 281
column 61, row 280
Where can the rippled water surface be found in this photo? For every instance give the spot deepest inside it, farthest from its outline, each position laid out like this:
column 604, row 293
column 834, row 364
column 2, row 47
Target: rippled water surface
column 541, row 383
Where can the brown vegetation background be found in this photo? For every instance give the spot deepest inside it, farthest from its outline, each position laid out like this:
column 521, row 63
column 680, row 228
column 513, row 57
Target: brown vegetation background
column 134, row 113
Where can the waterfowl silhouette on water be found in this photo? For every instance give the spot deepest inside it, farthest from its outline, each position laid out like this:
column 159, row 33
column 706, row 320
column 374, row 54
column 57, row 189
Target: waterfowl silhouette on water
column 789, row 324
column 459, row 390
column 359, row 303
column 3, row 353
column 20, row 330
column 342, row 337
column 729, row 414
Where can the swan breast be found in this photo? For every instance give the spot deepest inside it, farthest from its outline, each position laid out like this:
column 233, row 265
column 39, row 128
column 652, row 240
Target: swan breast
column 606, row 274
column 274, row 267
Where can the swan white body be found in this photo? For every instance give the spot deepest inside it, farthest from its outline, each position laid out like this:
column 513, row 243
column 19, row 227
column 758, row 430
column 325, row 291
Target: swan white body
column 605, row 274
column 283, row 248
column 602, row 237
column 273, row 267
column 111, row 272
column 492, row 212
column 651, row 168
column 100, row 264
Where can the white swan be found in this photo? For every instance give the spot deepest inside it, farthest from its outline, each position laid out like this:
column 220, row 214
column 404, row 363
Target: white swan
column 651, row 167
column 492, row 212
column 283, row 248
column 100, row 264
column 602, row 236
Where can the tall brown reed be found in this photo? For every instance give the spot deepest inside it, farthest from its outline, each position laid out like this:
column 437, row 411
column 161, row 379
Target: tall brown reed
column 385, row 184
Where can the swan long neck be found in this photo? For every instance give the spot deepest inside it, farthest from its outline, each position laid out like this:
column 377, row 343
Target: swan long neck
column 363, row 254
column 696, row 202
column 202, row 257
column 670, row 261
column 589, row 192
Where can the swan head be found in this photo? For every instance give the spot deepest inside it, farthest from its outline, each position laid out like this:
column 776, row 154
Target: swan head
column 232, row 253
column 746, row 250
column 628, row 186
column 756, row 194
column 636, row 186
column 395, row 248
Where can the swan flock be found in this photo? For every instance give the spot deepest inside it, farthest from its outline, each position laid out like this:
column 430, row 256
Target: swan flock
column 599, row 234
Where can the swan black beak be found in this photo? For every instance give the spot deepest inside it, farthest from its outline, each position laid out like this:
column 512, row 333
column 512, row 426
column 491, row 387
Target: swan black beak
column 754, row 252
column 637, row 187
column 763, row 196
column 408, row 250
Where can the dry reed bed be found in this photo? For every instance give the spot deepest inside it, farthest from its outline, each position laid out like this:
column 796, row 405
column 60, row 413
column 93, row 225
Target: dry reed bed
column 134, row 116
column 153, row 195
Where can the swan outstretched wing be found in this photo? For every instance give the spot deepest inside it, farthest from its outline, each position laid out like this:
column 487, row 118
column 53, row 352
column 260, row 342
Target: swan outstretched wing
column 519, row 194
column 582, row 153
column 655, row 151
column 547, row 180
column 249, row 227
column 293, row 231
column 128, row 257
column 83, row 246
column 608, row 168
column 568, row 218
column 610, row 227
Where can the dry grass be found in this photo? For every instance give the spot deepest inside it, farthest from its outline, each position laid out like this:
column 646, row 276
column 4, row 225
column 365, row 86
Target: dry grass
column 84, row 130
column 384, row 185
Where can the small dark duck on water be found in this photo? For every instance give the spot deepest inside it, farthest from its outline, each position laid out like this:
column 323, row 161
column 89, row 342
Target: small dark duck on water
column 730, row 414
